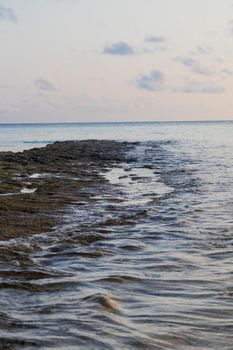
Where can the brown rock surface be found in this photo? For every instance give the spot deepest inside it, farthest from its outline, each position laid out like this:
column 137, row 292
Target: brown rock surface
column 59, row 174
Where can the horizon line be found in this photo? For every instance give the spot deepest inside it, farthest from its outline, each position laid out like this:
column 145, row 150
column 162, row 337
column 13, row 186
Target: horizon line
column 120, row 122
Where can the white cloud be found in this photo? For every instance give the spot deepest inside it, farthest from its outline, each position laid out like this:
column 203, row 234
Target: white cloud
column 194, row 87
column 45, row 85
column 158, row 39
column 7, row 14
column 194, row 66
column 120, row 48
column 153, row 81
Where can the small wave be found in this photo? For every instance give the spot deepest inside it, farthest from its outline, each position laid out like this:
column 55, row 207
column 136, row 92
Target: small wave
column 9, row 343
column 106, row 301
column 120, row 279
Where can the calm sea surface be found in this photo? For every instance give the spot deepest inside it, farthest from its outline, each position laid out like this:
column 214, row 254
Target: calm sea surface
column 148, row 265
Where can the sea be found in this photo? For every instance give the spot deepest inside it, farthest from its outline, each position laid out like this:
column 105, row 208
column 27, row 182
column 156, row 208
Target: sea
column 147, row 265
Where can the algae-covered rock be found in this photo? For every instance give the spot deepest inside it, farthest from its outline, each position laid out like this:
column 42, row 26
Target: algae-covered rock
column 58, row 174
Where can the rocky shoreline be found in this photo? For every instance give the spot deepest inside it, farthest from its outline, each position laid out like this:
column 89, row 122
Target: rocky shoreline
column 37, row 185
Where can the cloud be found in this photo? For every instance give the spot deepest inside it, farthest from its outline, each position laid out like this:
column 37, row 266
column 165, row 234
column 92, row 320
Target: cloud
column 204, row 50
column 119, row 48
column 155, row 39
column 7, row 14
column 194, row 87
column 154, row 81
column 194, row 66
column 227, row 72
column 44, row 85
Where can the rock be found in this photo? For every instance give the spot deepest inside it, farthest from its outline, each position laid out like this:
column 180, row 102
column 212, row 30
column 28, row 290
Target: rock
column 73, row 170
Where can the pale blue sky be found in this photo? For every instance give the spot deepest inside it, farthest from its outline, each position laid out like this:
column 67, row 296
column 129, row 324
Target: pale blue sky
column 116, row 60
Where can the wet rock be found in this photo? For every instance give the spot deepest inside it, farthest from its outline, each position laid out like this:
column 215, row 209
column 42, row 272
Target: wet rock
column 147, row 166
column 73, row 170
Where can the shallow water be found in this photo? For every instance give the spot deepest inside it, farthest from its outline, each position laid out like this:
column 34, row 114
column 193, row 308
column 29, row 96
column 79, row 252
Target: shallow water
column 146, row 265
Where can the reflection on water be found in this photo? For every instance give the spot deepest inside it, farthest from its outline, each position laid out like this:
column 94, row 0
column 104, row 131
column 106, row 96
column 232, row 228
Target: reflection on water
column 147, row 265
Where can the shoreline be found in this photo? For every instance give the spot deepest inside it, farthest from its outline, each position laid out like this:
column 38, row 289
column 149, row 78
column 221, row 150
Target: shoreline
column 38, row 185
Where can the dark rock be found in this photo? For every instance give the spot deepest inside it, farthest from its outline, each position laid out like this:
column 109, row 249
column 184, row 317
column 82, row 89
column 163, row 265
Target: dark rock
column 73, row 170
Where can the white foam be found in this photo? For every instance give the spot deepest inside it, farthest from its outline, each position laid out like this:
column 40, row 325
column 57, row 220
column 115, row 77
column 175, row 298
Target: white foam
column 28, row 190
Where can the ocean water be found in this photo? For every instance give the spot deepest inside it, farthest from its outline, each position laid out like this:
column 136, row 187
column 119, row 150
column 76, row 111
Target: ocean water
column 158, row 270
column 15, row 137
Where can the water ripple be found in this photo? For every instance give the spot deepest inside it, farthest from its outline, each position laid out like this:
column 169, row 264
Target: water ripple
column 147, row 264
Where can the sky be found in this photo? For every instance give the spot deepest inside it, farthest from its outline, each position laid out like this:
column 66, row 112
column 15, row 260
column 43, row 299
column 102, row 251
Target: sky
column 116, row 60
